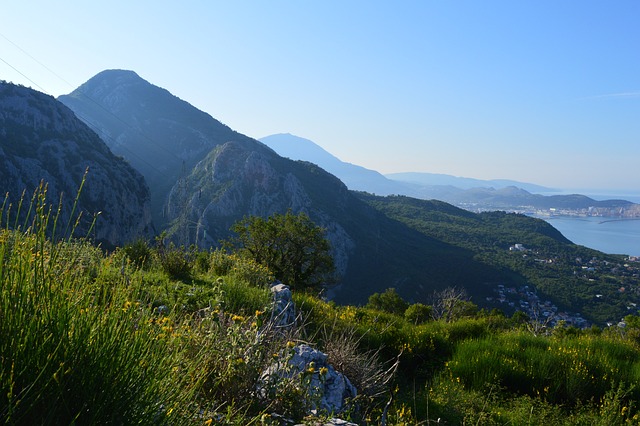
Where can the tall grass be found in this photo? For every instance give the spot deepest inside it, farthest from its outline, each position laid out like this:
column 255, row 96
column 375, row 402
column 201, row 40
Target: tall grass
column 561, row 371
column 74, row 349
column 89, row 338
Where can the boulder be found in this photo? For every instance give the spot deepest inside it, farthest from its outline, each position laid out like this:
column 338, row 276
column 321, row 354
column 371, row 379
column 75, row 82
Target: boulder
column 328, row 389
column 284, row 311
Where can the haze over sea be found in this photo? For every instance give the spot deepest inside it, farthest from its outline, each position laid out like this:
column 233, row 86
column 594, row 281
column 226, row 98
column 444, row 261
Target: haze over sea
column 608, row 235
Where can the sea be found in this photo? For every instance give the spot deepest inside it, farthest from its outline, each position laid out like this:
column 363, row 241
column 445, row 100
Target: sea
column 609, row 235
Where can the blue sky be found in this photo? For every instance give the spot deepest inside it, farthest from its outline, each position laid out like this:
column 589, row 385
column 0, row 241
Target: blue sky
column 539, row 91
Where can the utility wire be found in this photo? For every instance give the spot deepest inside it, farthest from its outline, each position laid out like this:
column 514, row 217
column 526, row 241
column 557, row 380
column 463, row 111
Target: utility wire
column 22, row 74
column 35, row 60
column 98, row 104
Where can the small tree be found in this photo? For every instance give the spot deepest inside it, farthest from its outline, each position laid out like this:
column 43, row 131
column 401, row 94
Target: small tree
column 291, row 246
column 418, row 313
column 389, row 301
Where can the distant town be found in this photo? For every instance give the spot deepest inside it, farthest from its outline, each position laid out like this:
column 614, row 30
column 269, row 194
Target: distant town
column 628, row 212
column 546, row 313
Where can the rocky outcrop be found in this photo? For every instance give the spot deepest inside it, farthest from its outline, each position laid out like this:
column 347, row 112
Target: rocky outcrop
column 283, row 311
column 238, row 177
column 328, row 390
column 42, row 140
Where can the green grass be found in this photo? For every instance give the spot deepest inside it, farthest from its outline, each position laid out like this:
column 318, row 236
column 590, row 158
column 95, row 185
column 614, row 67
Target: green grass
column 73, row 348
column 560, row 370
column 88, row 337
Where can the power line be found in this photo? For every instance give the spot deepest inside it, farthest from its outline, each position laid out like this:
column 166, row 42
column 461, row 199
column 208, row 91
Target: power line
column 22, row 74
column 98, row 104
column 35, row 60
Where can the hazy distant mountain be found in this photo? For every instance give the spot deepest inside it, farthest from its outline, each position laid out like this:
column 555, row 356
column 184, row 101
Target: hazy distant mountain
column 432, row 179
column 355, row 177
column 512, row 196
column 472, row 194
column 362, row 179
column 42, row 140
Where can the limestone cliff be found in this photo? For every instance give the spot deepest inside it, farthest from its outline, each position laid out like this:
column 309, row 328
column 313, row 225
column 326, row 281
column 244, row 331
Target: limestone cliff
column 42, row 140
column 234, row 180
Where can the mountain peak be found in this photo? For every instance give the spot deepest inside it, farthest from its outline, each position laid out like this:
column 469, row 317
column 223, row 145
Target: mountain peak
column 116, row 76
column 104, row 84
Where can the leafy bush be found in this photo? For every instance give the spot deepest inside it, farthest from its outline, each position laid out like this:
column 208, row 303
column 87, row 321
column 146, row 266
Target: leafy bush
column 291, row 246
column 418, row 313
column 221, row 263
column 176, row 261
column 241, row 267
column 139, row 252
column 388, row 301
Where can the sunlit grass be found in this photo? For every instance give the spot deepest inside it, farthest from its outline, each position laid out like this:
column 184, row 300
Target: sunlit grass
column 88, row 337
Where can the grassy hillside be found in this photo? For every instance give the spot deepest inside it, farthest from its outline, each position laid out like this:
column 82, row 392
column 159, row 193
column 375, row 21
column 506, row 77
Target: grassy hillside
column 163, row 335
column 602, row 287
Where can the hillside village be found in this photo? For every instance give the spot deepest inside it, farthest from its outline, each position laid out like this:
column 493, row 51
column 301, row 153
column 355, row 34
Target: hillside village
column 542, row 310
column 607, row 213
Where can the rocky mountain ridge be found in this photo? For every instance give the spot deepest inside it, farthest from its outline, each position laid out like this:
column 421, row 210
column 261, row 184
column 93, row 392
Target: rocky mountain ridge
column 417, row 248
column 163, row 140
column 201, row 196
column 42, row 140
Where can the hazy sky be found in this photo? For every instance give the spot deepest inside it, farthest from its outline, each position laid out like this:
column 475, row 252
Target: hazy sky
column 539, row 91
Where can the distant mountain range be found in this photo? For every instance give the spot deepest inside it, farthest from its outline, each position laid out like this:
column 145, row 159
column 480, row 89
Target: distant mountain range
column 433, row 179
column 362, row 179
column 203, row 176
column 41, row 140
column 355, row 177
column 468, row 193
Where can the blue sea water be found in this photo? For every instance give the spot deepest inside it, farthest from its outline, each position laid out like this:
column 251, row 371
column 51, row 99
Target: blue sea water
column 605, row 234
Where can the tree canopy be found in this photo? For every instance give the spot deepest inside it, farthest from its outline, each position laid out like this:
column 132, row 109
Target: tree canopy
column 290, row 245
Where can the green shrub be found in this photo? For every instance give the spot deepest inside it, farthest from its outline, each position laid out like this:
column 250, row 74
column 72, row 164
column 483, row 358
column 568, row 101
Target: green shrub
column 418, row 313
column 202, row 262
column 290, row 245
column 221, row 263
column 251, row 272
column 176, row 262
column 139, row 253
column 388, row 301
column 241, row 267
